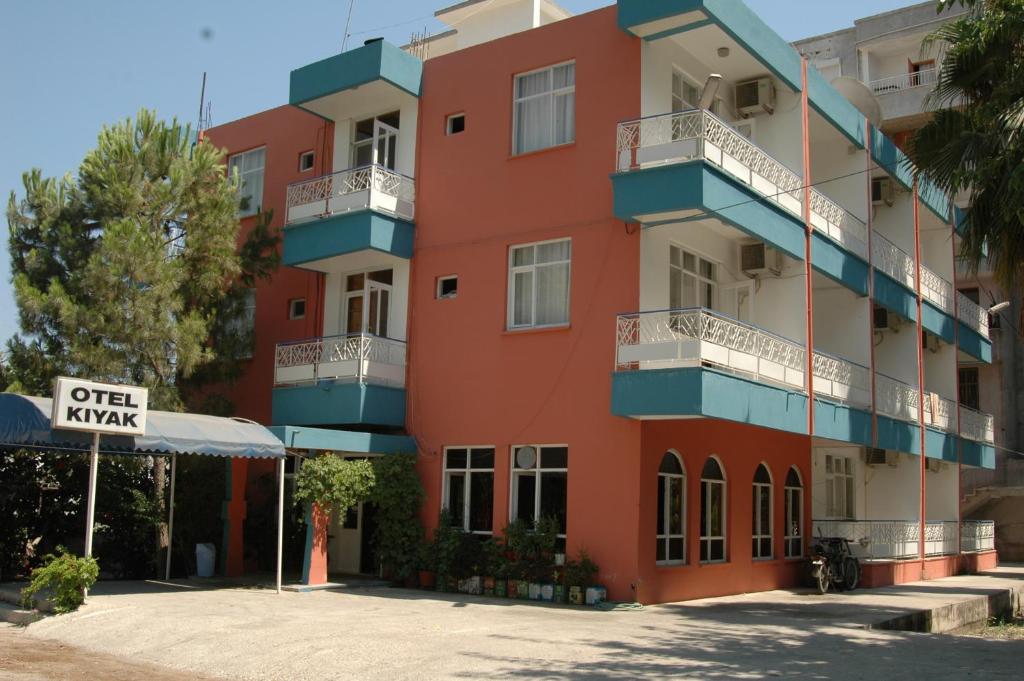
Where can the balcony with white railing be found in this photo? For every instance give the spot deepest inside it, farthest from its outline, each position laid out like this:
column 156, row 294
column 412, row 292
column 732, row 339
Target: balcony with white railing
column 701, row 135
column 904, row 81
column 972, row 314
column 977, row 425
column 936, row 290
column 699, row 337
column 874, row 539
column 977, row 535
column 940, row 538
column 939, row 412
column 841, row 380
column 354, row 358
column 892, row 260
column 896, row 399
column 371, row 187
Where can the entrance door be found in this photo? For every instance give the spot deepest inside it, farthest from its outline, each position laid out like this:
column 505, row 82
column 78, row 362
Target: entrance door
column 344, row 545
column 385, row 141
column 737, row 300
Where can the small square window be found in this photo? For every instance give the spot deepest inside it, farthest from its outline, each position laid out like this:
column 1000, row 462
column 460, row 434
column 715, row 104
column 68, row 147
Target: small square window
column 447, row 287
column 456, row 124
column 297, row 308
column 306, row 160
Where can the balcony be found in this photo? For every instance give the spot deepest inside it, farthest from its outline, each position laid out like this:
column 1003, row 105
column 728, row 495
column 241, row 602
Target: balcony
column 350, row 379
column 699, row 135
column 937, row 290
column 972, row 315
column 363, row 208
column 977, row 535
column 887, row 540
column 940, row 413
column 896, row 399
column 977, row 426
column 892, row 260
column 905, row 81
column 842, row 381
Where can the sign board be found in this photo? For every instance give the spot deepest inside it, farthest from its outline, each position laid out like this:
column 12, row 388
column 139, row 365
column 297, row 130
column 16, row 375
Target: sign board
column 99, row 407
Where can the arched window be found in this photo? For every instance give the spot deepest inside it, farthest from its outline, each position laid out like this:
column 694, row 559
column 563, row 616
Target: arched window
column 712, row 512
column 671, row 510
column 794, row 514
column 762, row 520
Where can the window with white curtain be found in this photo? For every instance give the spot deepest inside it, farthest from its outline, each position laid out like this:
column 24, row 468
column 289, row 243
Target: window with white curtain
column 544, row 110
column 538, row 284
column 693, row 280
column 671, row 533
column 249, row 166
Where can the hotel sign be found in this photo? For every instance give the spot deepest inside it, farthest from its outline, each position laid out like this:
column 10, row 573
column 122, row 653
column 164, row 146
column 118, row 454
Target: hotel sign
column 99, row 407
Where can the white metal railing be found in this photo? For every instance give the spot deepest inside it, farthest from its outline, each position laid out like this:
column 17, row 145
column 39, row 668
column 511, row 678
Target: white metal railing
column 940, row 412
column 977, row 425
column 905, row 81
column 357, row 357
column 842, row 380
column 699, row 337
column 372, row 186
column 896, row 399
column 940, row 538
column 874, row 539
column 688, row 135
column 892, row 260
column 977, row 535
column 936, row 290
column 972, row 314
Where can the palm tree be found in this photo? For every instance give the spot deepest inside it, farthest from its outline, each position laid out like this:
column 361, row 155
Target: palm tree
column 975, row 140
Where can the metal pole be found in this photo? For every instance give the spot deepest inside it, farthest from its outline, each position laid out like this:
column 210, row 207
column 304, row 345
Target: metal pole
column 170, row 519
column 280, row 519
column 90, row 509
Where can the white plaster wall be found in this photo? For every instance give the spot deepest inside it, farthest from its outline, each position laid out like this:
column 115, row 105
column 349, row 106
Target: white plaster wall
column 841, row 324
column 342, row 145
column 781, row 302
column 491, row 23
column 896, row 222
column 892, row 493
column 936, row 245
column 361, row 262
column 658, row 59
column 839, row 174
column 941, row 493
column 781, row 133
column 896, row 353
column 940, row 371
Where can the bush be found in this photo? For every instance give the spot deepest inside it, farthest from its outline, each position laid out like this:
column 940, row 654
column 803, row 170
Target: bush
column 447, row 540
column 334, row 483
column 398, row 494
column 582, row 571
column 66, row 577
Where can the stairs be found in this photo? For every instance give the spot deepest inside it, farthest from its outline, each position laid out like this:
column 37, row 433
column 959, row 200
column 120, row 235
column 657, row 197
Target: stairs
column 11, row 610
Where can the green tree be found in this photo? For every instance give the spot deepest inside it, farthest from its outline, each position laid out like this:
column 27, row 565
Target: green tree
column 132, row 272
column 975, row 140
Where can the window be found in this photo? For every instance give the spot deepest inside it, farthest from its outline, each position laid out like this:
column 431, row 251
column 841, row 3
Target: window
column 544, row 110
column 249, row 166
column 469, row 488
column 839, row 496
column 970, row 395
column 794, row 515
column 243, row 324
column 538, row 284
column 916, row 67
column 692, row 280
column 762, row 514
column 685, row 93
column 297, row 308
column 671, row 510
column 367, row 302
column 540, row 476
column 712, row 513
column 306, row 161
column 447, row 287
column 375, row 141
column 455, row 124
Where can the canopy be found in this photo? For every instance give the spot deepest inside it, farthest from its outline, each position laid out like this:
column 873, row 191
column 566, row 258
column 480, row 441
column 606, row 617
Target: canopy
column 25, row 422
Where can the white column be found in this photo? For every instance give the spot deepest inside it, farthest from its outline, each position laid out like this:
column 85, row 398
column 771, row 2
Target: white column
column 280, row 519
column 90, row 509
column 170, row 519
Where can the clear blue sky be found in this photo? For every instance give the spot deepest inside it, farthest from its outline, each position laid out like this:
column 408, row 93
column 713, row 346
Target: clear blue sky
column 68, row 67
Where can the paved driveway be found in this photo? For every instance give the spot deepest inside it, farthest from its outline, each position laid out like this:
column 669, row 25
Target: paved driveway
column 394, row 633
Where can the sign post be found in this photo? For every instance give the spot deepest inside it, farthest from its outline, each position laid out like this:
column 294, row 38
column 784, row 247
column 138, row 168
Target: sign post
column 97, row 408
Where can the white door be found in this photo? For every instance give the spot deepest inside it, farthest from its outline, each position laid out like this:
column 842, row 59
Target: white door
column 377, row 309
column 345, row 546
column 737, row 300
column 385, row 143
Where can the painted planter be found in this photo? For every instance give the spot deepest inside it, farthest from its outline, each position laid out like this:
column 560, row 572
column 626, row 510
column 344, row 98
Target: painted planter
column 534, row 591
column 488, row 586
column 522, row 589
column 596, row 594
column 500, row 588
column 576, row 595
column 559, row 593
column 547, row 593
column 471, row 585
column 427, row 579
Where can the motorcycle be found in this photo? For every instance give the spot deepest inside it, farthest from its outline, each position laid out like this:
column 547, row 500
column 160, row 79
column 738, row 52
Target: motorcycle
column 834, row 565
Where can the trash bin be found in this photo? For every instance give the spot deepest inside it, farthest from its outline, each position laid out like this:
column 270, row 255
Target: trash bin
column 206, row 558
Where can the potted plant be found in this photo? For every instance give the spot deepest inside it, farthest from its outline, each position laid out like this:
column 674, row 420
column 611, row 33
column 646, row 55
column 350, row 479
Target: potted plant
column 468, row 564
column 579, row 575
column 490, row 561
column 542, row 546
column 517, row 537
column 427, row 563
column 446, row 547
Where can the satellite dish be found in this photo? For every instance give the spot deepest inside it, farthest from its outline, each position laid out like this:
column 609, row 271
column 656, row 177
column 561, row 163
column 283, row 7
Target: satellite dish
column 861, row 97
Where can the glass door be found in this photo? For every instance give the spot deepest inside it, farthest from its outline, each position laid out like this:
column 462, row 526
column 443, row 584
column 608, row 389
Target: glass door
column 385, row 143
column 366, row 303
column 379, row 297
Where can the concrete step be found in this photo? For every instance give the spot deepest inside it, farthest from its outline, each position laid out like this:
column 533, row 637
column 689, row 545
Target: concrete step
column 15, row 615
column 11, row 593
column 959, row 615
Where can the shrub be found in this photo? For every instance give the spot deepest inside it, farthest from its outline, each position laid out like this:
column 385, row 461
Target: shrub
column 447, row 540
column 334, row 483
column 66, row 577
column 398, row 494
column 582, row 571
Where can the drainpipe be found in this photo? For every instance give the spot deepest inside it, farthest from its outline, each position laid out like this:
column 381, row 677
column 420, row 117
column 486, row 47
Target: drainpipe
column 869, row 136
column 956, row 384
column 920, row 375
column 809, row 292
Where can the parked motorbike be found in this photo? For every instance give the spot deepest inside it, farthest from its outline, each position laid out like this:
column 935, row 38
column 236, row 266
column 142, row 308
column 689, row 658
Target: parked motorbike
column 833, row 565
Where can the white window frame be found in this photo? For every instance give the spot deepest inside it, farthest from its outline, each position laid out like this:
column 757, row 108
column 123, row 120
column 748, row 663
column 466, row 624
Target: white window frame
column 537, row 471
column 788, row 535
column 553, row 95
column 357, row 144
column 665, row 482
column 680, row 97
column 346, row 295
column 844, row 480
column 467, row 472
column 758, row 531
column 513, row 270
column 699, row 279
column 705, row 487
column 246, row 179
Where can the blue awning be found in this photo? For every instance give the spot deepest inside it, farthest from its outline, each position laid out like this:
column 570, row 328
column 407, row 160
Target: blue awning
column 303, row 437
column 25, row 422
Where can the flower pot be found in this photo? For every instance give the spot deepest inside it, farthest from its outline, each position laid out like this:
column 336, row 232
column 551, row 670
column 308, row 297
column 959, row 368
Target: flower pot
column 426, row 578
column 534, row 591
column 488, row 586
column 576, row 595
column 559, row 593
column 513, row 588
column 522, row 589
column 547, row 592
column 500, row 588
column 471, row 586
column 596, row 594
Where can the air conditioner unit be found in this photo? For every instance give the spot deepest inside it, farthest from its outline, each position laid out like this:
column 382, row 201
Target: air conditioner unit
column 755, row 96
column 883, row 320
column 759, row 258
column 879, row 457
column 883, row 190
